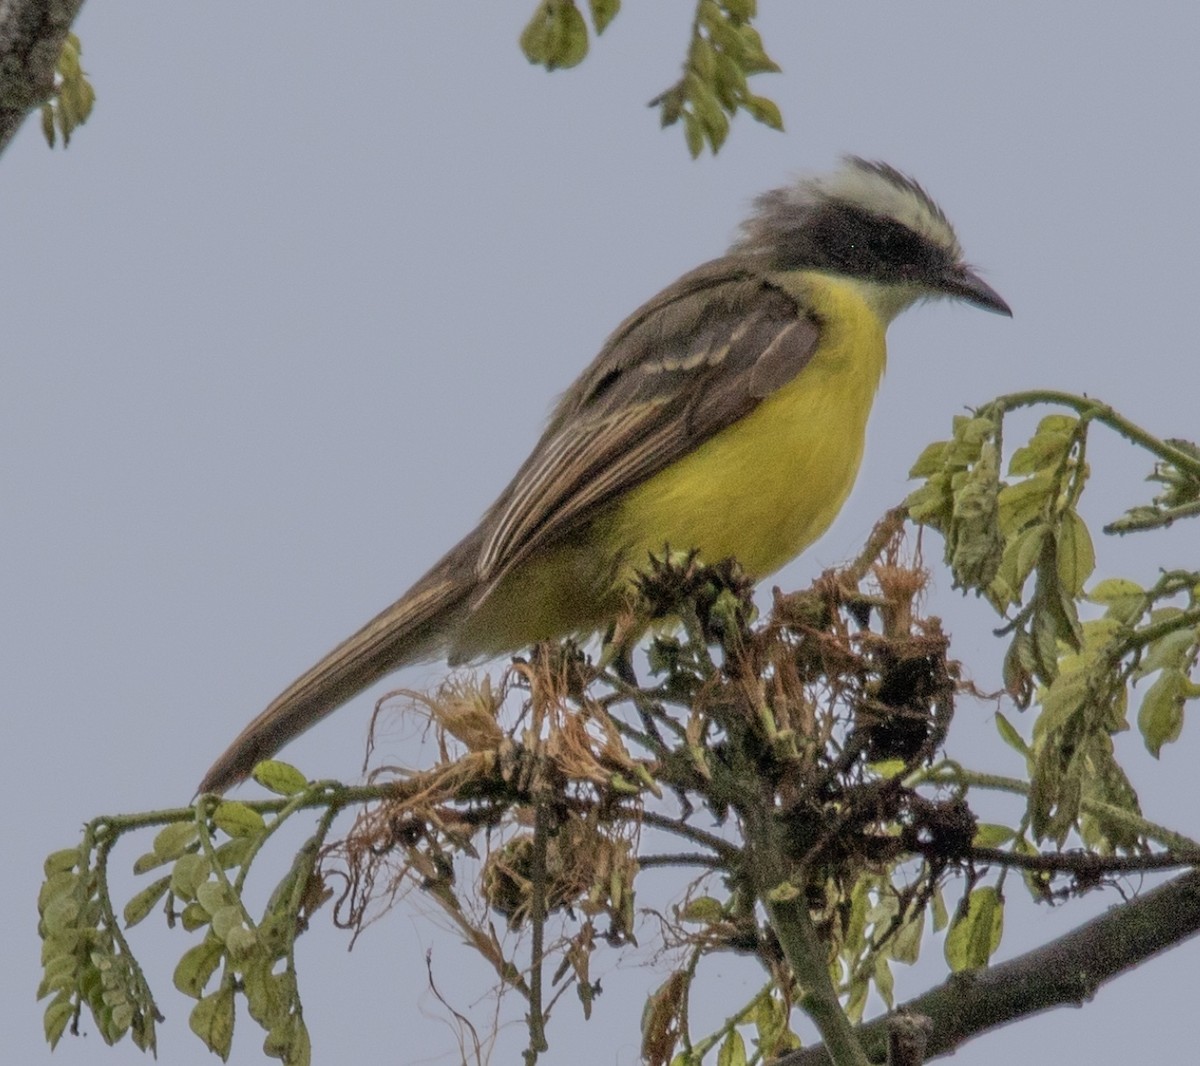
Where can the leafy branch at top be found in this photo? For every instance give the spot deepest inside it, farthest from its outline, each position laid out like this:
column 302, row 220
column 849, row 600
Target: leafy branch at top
column 73, row 97
column 556, row 37
column 724, row 51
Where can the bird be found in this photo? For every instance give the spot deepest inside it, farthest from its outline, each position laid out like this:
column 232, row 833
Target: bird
column 727, row 416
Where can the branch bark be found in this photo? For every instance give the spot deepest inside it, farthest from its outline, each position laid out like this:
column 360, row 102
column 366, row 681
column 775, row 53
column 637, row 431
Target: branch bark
column 32, row 33
column 1068, row 970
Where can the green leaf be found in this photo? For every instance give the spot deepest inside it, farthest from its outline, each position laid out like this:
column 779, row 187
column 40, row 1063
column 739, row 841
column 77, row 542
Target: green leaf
column 1160, row 717
column 906, row 947
column 1100, row 634
column 568, row 36
column 941, row 917
column 235, row 852
column 58, row 975
column 147, row 862
column 670, row 106
column 603, row 12
column 704, row 909
column 754, row 59
column 1114, row 589
column 62, row 861
column 856, row 993
column 1023, row 502
column 194, row 917
column 733, row 1050
column 535, row 37
column 266, row 994
column 48, row 133
column 703, row 60
column 620, row 784
column 992, row 835
column 1047, row 448
column 1020, row 557
column 708, row 111
column 190, row 872
column 1064, row 698
column 238, row 820
column 693, row 133
column 729, row 82
column 889, row 768
column 240, row 942
column 1124, row 600
column 60, row 914
column 1054, row 796
column 1106, row 783
column 300, row 1051
column 1019, row 664
column 173, row 840
column 279, row 777
column 929, row 504
column 768, row 1016
column 1009, row 735
column 1172, row 651
column 743, row 10
column 1057, row 425
column 75, row 95
column 64, row 883
column 784, row 892
column 212, row 896
column 54, row 1021
column 1036, row 881
column 976, row 930
column 212, row 1020
column 884, row 982
column 143, row 903
column 765, row 111
column 289, row 1041
column 855, row 922
column 197, row 966
column 931, row 460
column 978, row 546
column 123, row 1017
column 1076, row 555
column 225, row 919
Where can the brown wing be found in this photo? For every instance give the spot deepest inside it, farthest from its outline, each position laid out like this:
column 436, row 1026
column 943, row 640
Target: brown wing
column 693, row 360
column 696, row 358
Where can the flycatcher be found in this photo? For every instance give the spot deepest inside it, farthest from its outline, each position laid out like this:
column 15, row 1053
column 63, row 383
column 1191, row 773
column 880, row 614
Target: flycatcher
column 727, row 414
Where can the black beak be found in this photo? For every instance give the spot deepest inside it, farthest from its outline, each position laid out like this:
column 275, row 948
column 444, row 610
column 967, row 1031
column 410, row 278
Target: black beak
column 964, row 284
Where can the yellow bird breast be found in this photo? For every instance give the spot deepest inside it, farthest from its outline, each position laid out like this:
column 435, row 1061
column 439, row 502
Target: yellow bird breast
column 761, row 490
column 766, row 487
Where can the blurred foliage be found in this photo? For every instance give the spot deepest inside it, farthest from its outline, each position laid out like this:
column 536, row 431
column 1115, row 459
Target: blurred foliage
column 724, row 51
column 73, row 96
column 794, row 759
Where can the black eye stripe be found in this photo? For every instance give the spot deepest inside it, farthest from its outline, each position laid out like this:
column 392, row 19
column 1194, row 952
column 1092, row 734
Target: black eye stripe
column 846, row 239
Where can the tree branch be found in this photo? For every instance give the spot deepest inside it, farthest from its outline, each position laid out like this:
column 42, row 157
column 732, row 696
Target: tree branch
column 32, row 33
column 1084, row 863
column 1068, row 970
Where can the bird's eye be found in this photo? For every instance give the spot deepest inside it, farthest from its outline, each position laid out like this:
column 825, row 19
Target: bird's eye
column 898, row 252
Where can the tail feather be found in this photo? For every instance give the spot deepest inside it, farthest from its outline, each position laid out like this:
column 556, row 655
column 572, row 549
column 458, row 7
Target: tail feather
column 415, row 627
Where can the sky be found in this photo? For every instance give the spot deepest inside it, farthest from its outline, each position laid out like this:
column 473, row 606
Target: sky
column 292, row 306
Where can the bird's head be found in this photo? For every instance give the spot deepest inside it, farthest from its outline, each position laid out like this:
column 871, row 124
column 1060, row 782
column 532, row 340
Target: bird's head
column 869, row 222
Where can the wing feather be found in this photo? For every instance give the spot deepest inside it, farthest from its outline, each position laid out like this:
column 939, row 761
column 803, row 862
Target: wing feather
column 691, row 362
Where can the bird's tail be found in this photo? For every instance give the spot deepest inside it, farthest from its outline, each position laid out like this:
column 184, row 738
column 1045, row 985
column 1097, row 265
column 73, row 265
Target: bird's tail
column 415, row 627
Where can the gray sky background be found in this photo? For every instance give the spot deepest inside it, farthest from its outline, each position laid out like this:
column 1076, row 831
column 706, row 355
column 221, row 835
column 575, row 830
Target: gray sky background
column 290, row 310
